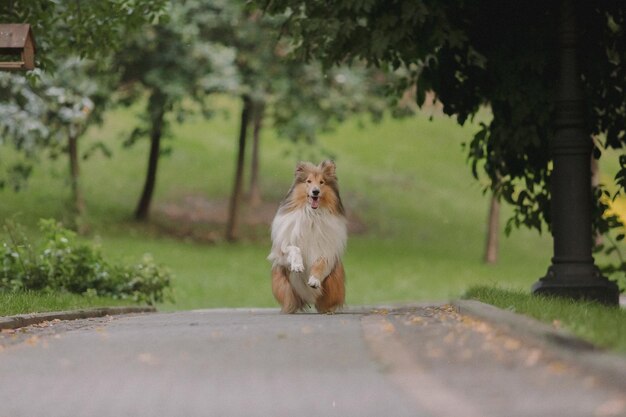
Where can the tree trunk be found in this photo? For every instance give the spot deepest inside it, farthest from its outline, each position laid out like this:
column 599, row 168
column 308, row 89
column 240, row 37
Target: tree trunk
column 235, row 198
column 157, row 115
column 493, row 231
column 255, row 190
column 78, row 203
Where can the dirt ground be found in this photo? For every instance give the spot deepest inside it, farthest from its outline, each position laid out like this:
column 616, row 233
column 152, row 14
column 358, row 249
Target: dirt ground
column 197, row 218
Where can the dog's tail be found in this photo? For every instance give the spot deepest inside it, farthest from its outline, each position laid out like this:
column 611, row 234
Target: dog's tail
column 333, row 291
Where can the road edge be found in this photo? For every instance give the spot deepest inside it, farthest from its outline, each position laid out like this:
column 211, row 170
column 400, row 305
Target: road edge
column 23, row 320
column 607, row 366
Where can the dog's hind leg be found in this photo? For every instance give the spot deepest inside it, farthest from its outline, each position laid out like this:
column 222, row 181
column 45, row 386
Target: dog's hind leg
column 333, row 291
column 283, row 291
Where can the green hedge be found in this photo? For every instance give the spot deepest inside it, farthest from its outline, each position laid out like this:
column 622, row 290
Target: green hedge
column 60, row 263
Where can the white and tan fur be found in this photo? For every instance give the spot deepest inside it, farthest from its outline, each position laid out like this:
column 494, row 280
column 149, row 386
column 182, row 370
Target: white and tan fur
column 309, row 236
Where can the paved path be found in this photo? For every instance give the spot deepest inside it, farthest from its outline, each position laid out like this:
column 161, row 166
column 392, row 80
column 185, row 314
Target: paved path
column 419, row 361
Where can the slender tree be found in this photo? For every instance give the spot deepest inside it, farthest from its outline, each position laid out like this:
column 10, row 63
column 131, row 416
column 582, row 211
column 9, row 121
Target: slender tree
column 235, row 198
column 254, row 196
column 157, row 107
column 172, row 62
column 69, row 101
column 493, row 231
column 76, row 97
column 492, row 241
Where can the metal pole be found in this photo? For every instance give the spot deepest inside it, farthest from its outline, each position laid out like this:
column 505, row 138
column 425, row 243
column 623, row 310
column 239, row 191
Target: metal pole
column 573, row 273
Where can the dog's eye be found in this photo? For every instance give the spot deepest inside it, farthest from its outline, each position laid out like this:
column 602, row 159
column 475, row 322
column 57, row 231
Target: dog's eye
column 308, row 181
column 321, row 182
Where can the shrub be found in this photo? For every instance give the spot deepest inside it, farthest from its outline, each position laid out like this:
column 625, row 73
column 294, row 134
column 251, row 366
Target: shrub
column 61, row 263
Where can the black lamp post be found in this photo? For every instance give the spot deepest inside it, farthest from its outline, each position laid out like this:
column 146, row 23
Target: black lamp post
column 573, row 273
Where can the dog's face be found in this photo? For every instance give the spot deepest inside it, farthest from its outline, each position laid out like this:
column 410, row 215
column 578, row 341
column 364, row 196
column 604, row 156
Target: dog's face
column 317, row 186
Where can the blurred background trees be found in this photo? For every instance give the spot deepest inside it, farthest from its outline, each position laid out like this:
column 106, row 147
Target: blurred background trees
column 69, row 89
column 171, row 55
column 503, row 58
column 173, row 63
column 299, row 70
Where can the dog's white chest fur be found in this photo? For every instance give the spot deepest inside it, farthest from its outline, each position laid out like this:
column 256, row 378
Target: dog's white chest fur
column 318, row 234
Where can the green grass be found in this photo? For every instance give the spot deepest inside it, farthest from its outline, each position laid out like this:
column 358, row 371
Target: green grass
column 408, row 181
column 600, row 325
column 34, row 302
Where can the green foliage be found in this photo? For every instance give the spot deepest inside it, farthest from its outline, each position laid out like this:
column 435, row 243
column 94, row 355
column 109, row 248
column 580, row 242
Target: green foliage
column 61, row 263
column 176, row 59
column 37, row 117
column 88, row 29
column 37, row 108
column 22, row 126
column 308, row 99
column 472, row 56
column 175, row 62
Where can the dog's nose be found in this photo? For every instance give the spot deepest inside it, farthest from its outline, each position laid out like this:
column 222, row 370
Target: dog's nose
column 315, row 192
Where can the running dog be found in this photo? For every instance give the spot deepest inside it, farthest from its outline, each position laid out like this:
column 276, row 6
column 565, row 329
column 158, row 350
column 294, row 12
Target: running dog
column 309, row 236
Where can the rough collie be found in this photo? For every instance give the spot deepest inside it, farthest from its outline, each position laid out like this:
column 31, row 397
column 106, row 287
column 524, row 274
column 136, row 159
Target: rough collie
column 309, row 236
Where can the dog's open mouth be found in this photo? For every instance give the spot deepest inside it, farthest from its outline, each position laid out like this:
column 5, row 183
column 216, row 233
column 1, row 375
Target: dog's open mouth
column 315, row 202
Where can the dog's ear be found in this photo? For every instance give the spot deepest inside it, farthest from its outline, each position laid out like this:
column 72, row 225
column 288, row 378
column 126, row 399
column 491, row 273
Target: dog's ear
column 328, row 168
column 300, row 169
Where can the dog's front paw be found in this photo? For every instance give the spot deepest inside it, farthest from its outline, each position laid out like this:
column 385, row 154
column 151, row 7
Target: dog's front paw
column 297, row 266
column 314, row 282
column 295, row 259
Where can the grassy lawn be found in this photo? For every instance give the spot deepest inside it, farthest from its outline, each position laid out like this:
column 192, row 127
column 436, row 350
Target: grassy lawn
column 407, row 180
column 602, row 326
column 35, row 302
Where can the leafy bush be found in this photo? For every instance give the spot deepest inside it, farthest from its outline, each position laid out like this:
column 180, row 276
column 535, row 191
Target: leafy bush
column 61, row 263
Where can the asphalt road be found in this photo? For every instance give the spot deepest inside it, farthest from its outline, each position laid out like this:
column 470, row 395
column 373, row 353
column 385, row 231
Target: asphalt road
column 419, row 361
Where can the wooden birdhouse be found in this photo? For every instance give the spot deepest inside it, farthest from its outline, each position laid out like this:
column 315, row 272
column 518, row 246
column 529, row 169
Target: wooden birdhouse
column 17, row 47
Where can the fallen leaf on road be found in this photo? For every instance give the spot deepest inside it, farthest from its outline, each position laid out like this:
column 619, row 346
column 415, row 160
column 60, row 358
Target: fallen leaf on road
column 147, row 358
column 482, row 327
column 103, row 333
column 557, row 367
column 532, row 358
column 449, row 308
column 434, row 353
column 614, row 407
column 389, row 328
column 32, row 341
column 415, row 320
column 512, row 344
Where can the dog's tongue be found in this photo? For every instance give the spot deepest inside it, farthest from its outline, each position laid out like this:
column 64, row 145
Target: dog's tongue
column 315, row 203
